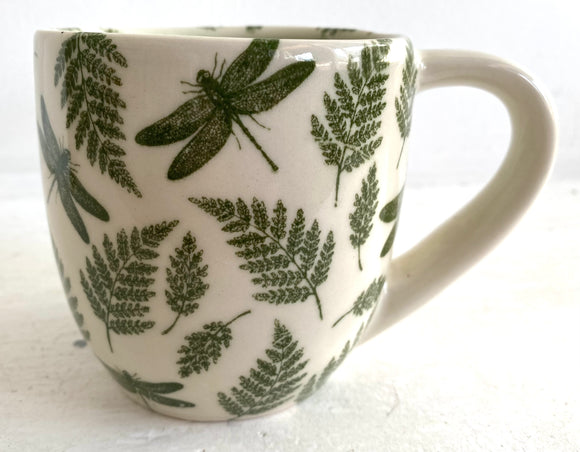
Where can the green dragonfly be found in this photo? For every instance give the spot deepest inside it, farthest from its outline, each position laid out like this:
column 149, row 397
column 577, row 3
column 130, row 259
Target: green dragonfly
column 149, row 391
column 68, row 184
column 220, row 101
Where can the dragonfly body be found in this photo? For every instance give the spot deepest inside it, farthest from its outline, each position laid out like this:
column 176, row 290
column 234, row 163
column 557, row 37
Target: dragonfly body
column 69, row 187
column 221, row 101
column 211, row 88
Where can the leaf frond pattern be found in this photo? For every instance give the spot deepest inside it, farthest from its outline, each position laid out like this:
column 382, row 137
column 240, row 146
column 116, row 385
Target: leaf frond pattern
column 118, row 279
column 273, row 381
column 287, row 261
column 205, row 347
column 86, row 67
column 366, row 300
column 404, row 101
column 348, row 136
column 365, row 207
column 186, row 279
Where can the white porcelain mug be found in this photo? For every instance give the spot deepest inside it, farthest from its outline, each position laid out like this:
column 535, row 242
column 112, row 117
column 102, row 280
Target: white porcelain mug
column 223, row 202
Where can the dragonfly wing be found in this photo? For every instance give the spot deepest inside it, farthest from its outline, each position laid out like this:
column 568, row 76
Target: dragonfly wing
column 64, row 189
column 85, row 199
column 48, row 156
column 248, row 66
column 202, row 147
column 168, row 400
column 179, row 125
column 160, row 388
column 266, row 94
column 51, row 147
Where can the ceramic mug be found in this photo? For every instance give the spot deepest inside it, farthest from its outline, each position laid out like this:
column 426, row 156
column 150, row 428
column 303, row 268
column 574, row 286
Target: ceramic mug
column 223, row 202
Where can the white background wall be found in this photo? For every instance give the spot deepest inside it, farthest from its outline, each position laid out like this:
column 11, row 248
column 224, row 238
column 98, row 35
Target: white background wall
column 459, row 135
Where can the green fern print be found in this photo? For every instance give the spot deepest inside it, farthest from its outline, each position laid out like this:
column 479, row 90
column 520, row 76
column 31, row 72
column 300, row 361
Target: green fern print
column 315, row 382
column 365, row 207
column 350, row 136
column 118, row 285
column 366, row 300
column 73, row 301
column 185, row 278
column 390, row 214
column 86, row 67
column 404, row 102
column 288, row 263
column 273, row 382
column 205, row 347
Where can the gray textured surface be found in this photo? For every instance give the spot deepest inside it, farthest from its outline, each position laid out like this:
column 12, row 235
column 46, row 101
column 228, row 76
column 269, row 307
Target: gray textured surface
column 492, row 364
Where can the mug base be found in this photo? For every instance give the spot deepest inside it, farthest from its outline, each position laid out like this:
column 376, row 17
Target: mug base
column 190, row 414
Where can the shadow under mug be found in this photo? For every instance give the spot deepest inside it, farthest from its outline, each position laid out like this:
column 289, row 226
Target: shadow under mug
column 223, row 202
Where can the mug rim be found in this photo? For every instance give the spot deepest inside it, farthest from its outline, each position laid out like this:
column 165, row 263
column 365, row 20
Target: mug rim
column 238, row 33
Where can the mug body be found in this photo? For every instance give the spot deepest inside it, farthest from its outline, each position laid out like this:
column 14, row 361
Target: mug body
column 222, row 203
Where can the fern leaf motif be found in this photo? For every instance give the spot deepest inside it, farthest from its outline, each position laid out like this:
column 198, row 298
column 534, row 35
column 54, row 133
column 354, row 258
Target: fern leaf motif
column 404, row 102
column 86, row 68
column 366, row 300
column 390, row 214
column 185, row 279
column 316, row 382
column 288, row 263
column 273, row 381
column 349, row 136
column 205, row 347
column 365, row 207
column 118, row 284
column 73, row 301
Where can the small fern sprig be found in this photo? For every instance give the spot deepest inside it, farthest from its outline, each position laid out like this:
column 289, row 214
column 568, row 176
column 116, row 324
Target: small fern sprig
column 185, row 278
column 274, row 380
column 288, row 262
column 366, row 300
column 205, row 347
column 315, row 382
column 118, row 285
column 85, row 66
column 350, row 136
column 404, row 102
column 365, row 207
column 73, row 301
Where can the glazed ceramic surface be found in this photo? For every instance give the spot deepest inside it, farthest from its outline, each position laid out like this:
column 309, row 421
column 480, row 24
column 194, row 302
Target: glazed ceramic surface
column 223, row 204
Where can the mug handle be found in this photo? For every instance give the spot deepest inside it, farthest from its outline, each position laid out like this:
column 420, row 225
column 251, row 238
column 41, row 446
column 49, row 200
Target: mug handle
column 448, row 251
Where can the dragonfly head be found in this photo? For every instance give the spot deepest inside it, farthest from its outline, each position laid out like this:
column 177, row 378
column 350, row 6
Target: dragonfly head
column 203, row 77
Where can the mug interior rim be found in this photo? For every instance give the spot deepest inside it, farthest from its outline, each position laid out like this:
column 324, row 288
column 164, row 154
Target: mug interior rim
column 294, row 33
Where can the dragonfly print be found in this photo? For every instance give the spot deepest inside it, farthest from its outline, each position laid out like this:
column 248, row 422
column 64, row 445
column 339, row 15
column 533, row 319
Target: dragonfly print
column 68, row 185
column 220, row 101
column 147, row 390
